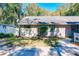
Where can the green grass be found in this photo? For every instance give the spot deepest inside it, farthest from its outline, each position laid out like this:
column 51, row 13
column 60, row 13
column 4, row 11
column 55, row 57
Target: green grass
column 34, row 41
column 52, row 41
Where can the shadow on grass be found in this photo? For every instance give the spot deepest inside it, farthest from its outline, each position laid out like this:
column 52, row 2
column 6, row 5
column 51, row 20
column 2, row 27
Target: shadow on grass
column 55, row 51
column 25, row 52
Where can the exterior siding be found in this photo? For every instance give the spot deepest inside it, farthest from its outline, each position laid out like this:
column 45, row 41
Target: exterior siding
column 63, row 30
column 68, row 31
column 29, row 32
column 7, row 29
column 60, row 30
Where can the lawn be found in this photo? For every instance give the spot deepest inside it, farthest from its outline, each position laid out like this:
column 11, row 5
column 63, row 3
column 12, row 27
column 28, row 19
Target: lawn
column 10, row 42
column 31, row 43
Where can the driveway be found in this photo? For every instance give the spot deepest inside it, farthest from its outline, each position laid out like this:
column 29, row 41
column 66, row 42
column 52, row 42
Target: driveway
column 65, row 49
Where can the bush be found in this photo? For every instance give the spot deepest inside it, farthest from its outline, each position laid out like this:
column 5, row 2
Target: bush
column 42, row 31
column 2, row 35
column 9, row 35
column 34, row 38
column 52, row 41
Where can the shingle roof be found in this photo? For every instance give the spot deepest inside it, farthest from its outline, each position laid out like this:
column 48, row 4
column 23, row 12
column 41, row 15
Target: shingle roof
column 33, row 20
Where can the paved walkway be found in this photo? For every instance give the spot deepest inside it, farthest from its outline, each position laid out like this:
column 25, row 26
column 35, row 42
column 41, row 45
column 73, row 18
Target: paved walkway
column 66, row 49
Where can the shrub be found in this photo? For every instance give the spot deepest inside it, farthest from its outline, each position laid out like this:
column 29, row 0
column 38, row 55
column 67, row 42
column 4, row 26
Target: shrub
column 9, row 35
column 48, row 42
column 42, row 31
column 52, row 41
column 34, row 38
column 2, row 35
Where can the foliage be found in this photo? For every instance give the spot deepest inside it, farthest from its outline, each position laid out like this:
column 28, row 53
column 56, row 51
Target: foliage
column 34, row 38
column 2, row 35
column 42, row 30
column 68, row 9
column 9, row 35
column 9, row 12
column 34, row 10
column 73, row 11
column 10, row 41
column 52, row 41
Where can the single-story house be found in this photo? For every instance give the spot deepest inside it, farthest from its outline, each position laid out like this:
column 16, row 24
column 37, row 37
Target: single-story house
column 61, row 26
column 7, row 28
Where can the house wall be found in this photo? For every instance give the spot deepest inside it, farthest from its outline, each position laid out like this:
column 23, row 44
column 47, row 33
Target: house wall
column 68, row 31
column 29, row 32
column 7, row 29
column 62, row 30
column 34, row 31
column 59, row 30
column 16, row 33
column 48, row 31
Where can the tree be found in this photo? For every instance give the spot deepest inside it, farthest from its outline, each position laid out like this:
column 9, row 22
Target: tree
column 34, row 10
column 73, row 11
column 8, row 13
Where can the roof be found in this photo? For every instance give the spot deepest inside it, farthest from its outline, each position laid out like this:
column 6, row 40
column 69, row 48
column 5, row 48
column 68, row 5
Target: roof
column 62, row 20
column 10, row 25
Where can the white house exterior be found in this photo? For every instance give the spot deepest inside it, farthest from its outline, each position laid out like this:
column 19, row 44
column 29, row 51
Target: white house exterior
column 7, row 28
column 63, row 25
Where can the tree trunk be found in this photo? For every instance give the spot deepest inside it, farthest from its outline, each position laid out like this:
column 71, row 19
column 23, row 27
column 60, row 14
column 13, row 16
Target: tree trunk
column 19, row 31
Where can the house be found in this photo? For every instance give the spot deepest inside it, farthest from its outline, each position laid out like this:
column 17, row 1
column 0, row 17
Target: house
column 61, row 26
column 7, row 28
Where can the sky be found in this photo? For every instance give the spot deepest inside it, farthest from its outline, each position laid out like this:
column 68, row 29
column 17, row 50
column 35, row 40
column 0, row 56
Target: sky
column 49, row 6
